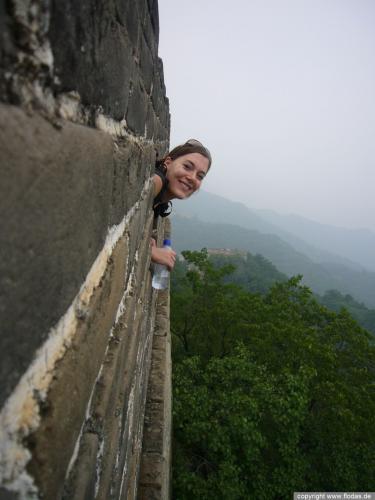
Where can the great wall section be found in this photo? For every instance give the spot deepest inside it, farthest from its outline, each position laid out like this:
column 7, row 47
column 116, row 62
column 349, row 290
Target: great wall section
column 85, row 347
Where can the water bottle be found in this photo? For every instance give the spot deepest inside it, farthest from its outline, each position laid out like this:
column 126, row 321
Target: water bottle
column 160, row 279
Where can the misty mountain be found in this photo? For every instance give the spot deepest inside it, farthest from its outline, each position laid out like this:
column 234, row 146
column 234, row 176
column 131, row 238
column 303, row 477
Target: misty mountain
column 209, row 207
column 190, row 233
column 355, row 244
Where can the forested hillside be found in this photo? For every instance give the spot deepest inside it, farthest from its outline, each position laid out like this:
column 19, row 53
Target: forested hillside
column 273, row 393
column 256, row 274
column 195, row 234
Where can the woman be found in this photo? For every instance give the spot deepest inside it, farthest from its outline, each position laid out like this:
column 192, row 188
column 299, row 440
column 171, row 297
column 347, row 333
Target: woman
column 178, row 175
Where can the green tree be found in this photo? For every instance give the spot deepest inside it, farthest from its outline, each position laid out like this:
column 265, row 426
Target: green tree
column 272, row 393
column 240, row 437
column 205, row 304
column 336, row 301
column 253, row 272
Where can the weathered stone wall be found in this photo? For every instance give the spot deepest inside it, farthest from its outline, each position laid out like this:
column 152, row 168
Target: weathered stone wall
column 83, row 114
column 155, row 477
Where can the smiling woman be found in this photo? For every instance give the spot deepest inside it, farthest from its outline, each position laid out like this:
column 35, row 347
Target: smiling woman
column 177, row 176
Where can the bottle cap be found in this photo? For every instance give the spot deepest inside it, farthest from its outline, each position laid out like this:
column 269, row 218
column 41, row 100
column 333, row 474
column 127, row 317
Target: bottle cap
column 167, row 243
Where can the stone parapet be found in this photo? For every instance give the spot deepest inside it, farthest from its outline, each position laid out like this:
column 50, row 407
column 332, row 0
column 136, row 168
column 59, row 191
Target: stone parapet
column 83, row 115
column 156, row 460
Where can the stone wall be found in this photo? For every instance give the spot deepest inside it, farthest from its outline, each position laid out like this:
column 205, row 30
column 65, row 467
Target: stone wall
column 154, row 482
column 83, row 115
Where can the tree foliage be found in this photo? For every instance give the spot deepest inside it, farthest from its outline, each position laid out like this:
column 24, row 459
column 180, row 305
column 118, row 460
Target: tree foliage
column 253, row 272
column 336, row 301
column 273, row 393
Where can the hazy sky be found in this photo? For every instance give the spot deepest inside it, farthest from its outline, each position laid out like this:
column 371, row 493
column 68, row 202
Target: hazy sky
column 283, row 94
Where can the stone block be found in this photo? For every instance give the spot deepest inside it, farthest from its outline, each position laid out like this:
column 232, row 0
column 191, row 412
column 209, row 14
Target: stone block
column 55, row 202
column 154, row 16
column 155, row 465
column 146, row 65
column 137, row 108
column 92, row 54
column 84, row 485
column 129, row 16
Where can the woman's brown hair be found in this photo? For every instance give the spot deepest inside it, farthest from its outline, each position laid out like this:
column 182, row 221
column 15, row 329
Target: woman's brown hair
column 190, row 146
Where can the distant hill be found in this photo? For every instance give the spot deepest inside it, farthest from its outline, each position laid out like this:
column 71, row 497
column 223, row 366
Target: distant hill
column 213, row 208
column 194, row 234
column 354, row 244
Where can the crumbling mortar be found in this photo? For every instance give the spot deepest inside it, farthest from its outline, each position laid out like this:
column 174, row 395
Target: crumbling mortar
column 98, row 469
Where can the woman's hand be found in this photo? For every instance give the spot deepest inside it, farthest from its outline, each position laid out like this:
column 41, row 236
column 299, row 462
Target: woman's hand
column 165, row 256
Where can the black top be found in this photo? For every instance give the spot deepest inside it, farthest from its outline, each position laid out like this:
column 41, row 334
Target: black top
column 161, row 208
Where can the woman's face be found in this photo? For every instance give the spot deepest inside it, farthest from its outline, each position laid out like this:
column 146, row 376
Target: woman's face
column 185, row 174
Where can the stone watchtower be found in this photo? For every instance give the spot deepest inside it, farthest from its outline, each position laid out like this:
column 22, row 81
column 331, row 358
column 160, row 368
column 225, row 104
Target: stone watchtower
column 84, row 351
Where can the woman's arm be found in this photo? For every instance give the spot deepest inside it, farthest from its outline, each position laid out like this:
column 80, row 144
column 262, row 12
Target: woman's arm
column 158, row 184
column 165, row 256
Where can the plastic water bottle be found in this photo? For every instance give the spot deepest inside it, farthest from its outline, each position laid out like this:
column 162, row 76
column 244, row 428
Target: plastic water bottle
column 160, row 279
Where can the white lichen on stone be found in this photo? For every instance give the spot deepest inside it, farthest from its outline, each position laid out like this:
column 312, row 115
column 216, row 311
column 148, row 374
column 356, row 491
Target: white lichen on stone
column 111, row 126
column 69, row 106
column 98, row 470
column 126, row 433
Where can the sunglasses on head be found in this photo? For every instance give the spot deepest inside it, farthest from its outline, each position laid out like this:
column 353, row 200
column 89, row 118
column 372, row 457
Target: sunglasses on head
column 194, row 142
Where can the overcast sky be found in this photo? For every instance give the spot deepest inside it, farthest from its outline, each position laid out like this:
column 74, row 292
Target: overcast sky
column 283, row 94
